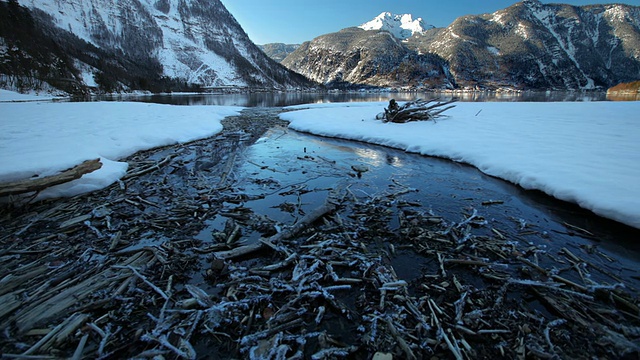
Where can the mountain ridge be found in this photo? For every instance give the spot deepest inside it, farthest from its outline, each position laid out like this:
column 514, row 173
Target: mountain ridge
column 278, row 51
column 528, row 45
column 196, row 43
column 368, row 58
column 187, row 45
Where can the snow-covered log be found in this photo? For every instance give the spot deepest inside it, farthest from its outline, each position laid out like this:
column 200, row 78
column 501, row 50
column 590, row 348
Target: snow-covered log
column 31, row 185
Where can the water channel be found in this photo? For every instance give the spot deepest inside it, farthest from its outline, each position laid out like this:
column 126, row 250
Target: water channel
column 287, row 167
column 298, row 169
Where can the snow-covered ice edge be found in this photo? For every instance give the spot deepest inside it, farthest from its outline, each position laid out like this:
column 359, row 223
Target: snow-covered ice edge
column 39, row 139
column 587, row 153
column 12, row 96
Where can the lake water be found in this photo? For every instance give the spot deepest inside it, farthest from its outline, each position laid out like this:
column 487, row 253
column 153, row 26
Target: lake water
column 297, row 98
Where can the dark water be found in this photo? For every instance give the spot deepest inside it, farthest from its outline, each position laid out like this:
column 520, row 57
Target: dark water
column 299, row 169
column 445, row 185
column 297, row 98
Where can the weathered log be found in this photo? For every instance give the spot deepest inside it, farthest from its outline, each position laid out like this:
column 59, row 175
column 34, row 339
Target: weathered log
column 33, row 185
column 285, row 234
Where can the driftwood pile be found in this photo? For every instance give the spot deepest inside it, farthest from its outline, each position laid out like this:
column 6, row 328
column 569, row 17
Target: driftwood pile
column 417, row 110
column 121, row 274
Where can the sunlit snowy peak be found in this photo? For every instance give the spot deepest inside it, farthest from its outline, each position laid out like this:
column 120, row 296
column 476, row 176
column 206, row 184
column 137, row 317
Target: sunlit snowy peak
column 401, row 26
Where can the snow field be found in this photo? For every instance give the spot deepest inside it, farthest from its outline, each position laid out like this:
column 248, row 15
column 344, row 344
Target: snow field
column 582, row 152
column 42, row 139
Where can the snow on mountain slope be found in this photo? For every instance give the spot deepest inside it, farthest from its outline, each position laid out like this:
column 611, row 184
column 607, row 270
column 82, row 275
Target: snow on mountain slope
column 110, row 23
column 401, row 26
column 529, row 45
column 196, row 41
column 540, row 46
column 550, row 21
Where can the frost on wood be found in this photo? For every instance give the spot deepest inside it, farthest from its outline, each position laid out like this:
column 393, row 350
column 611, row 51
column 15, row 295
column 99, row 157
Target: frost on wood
column 418, row 110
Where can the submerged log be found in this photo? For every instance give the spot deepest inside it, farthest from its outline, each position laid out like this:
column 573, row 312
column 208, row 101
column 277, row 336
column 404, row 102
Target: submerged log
column 289, row 233
column 417, row 110
column 33, row 185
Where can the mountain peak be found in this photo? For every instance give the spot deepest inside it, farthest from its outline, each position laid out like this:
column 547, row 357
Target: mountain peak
column 401, row 26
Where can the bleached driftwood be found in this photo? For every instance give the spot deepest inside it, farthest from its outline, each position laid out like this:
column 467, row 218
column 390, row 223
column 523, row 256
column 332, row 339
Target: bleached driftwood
column 32, row 185
column 418, row 110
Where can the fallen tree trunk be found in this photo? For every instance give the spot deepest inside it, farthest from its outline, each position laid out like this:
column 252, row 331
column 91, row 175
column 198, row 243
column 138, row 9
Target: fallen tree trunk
column 33, row 185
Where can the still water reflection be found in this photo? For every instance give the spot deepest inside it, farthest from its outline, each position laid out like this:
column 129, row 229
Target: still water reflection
column 297, row 98
column 299, row 169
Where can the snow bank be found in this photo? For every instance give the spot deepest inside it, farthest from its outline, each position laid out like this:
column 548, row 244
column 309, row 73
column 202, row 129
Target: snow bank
column 12, row 96
column 583, row 152
column 42, row 139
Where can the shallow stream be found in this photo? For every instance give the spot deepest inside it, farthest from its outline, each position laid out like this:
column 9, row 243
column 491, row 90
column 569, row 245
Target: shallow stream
column 288, row 174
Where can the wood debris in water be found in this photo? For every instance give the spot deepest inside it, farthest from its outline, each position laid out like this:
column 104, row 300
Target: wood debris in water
column 121, row 274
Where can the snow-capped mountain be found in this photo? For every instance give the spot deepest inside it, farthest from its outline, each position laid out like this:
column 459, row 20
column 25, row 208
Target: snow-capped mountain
column 528, row 45
column 191, row 41
column 401, row 26
column 357, row 56
column 535, row 45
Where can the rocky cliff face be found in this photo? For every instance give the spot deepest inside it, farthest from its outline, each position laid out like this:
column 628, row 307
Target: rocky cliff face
column 191, row 41
column 357, row 56
column 278, row 51
column 542, row 46
column 528, row 45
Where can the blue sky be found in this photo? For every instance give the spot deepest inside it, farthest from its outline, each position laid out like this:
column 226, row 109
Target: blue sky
column 296, row 21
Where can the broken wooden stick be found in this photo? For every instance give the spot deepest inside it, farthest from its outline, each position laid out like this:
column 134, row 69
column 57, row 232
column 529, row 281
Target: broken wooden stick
column 150, row 168
column 39, row 184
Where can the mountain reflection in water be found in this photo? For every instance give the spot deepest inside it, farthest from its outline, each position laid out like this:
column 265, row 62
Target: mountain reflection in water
column 280, row 99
